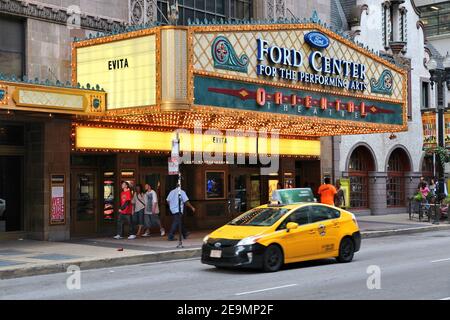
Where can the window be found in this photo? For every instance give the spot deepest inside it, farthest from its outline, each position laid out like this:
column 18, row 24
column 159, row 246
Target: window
column 300, row 216
column 321, row 213
column 209, row 9
column 436, row 18
column 263, row 217
column 12, row 47
column 361, row 162
column 425, row 95
column 398, row 164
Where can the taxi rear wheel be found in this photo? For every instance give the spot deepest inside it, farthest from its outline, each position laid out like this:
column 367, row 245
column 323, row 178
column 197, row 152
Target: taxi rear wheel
column 273, row 259
column 346, row 250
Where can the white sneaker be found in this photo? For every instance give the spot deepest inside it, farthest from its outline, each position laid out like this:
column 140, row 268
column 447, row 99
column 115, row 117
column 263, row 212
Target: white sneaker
column 118, row 237
column 146, row 234
column 132, row 237
column 163, row 233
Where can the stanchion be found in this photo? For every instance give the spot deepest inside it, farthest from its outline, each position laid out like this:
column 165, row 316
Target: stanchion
column 180, row 227
column 436, row 216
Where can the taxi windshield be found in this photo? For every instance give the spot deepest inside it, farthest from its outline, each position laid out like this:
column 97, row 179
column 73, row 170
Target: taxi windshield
column 263, row 217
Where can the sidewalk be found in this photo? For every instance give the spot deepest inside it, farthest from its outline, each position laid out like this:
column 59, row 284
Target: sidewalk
column 20, row 258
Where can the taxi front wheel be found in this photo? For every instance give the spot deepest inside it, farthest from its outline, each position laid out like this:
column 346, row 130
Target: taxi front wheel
column 273, row 259
column 346, row 250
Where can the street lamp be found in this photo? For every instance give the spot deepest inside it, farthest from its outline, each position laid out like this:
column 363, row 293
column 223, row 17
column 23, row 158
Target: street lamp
column 440, row 75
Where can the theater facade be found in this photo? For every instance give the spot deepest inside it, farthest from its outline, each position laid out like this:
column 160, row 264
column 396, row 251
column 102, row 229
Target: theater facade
column 249, row 103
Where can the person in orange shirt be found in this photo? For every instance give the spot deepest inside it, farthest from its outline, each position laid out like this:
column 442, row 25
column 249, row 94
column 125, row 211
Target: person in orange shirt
column 327, row 192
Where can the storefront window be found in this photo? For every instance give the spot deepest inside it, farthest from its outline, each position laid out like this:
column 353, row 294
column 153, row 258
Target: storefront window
column 215, row 184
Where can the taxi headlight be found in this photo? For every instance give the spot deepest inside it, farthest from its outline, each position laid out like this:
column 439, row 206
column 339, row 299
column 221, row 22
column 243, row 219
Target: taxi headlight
column 205, row 239
column 248, row 241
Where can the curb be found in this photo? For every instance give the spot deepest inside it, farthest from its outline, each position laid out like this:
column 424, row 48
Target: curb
column 394, row 232
column 100, row 263
column 167, row 256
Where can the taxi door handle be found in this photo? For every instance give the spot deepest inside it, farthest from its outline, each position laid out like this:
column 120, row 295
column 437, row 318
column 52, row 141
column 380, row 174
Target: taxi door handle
column 311, row 232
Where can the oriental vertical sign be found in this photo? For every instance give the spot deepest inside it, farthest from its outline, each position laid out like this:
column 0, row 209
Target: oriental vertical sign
column 57, row 200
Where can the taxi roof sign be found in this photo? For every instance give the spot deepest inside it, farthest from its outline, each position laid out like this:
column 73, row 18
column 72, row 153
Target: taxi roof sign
column 295, row 195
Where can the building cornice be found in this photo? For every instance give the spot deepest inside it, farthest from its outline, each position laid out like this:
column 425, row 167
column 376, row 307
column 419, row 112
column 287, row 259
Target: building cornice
column 55, row 14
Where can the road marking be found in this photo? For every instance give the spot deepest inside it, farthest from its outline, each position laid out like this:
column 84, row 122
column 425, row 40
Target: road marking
column 448, row 298
column 441, row 260
column 268, row 289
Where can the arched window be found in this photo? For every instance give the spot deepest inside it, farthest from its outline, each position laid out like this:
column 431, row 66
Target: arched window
column 361, row 162
column 398, row 164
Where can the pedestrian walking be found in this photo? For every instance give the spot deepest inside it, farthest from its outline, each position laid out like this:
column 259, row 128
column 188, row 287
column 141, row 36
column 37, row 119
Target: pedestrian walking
column 327, row 192
column 432, row 187
column 138, row 203
column 176, row 200
column 125, row 212
column 151, row 213
column 339, row 198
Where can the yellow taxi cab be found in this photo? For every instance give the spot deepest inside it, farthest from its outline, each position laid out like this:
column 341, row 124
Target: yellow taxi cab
column 271, row 235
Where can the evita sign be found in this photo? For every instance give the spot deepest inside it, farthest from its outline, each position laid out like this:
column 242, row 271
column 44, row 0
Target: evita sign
column 285, row 63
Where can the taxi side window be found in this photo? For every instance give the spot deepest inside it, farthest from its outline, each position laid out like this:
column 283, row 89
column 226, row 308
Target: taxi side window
column 300, row 216
column 321, row 213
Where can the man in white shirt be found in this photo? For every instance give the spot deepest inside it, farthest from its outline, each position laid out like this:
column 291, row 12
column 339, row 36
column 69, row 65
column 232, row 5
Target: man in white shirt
column 176, row 205
column 151, row 213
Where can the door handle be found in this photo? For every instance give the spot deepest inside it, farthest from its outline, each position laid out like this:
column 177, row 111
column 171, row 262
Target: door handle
column 311, row 232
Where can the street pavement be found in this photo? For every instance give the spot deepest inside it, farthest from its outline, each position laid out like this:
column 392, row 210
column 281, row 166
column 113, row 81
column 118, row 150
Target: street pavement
column 415, row 266
column 19, row 258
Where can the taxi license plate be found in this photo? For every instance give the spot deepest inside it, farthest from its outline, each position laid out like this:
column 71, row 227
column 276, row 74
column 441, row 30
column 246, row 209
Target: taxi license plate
column 215, row 254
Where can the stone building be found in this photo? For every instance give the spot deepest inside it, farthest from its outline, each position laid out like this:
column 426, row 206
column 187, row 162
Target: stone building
column 37, row 155
column 384, row 168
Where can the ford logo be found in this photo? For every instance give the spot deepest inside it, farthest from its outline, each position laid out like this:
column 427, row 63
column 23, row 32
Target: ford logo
column 217, row 245
column 317, row 39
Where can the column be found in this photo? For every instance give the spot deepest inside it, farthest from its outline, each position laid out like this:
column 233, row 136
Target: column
column 377, row 193
column 411, row 182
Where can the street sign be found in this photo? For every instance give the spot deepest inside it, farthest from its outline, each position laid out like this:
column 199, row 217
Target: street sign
column 174, row 166
column 175, row 152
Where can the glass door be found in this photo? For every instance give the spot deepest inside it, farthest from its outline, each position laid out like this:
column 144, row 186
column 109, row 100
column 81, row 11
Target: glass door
column 255, row 191
column 240, row 193
column 84, row 203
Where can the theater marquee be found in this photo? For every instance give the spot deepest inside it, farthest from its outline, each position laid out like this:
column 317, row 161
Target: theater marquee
column 302, row 70
column 301, row 79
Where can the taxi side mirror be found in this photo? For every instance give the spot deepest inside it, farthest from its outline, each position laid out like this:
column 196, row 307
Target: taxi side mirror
column 291, row 226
